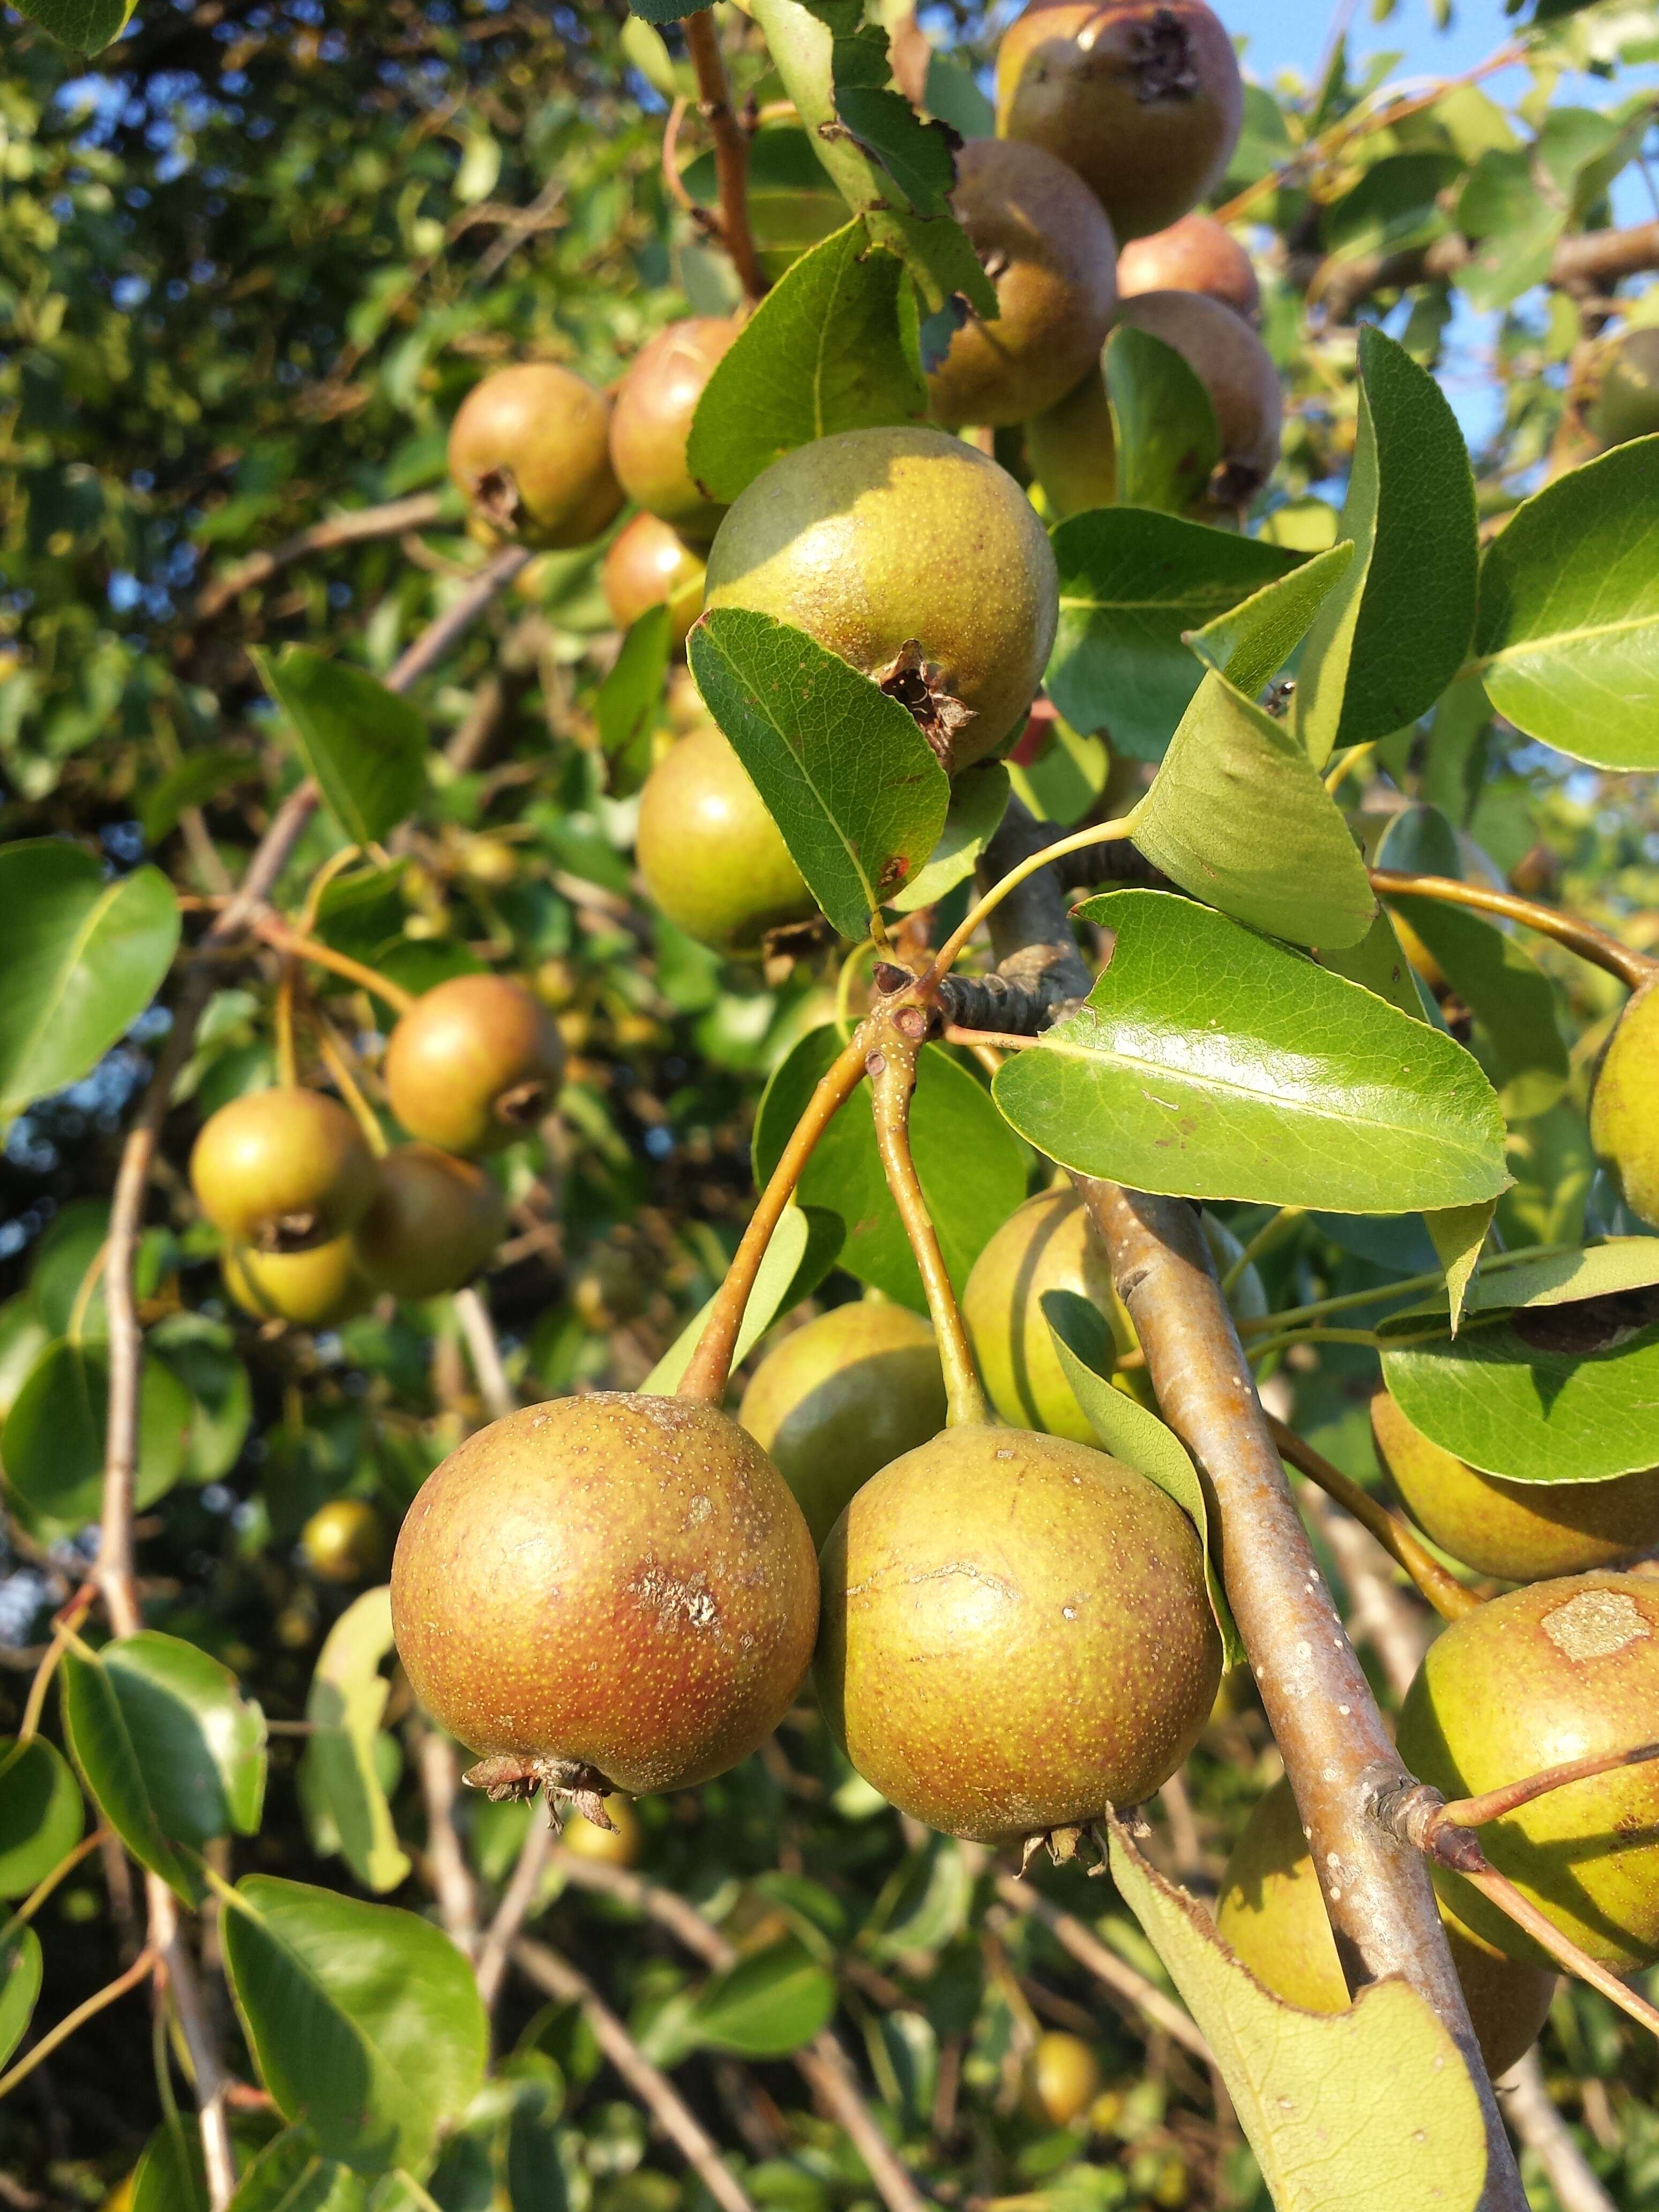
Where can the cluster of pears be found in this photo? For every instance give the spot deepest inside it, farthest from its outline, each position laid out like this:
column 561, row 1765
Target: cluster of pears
column 316, row 1225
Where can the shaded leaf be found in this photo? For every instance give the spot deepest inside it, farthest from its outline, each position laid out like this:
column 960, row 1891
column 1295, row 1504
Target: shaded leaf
column 55, row 1434
column 1251, row 642
column 925, row 1903
column 169, row 2176
column 979, row 799
column 365, row 745
column 632, row 690
column 344, row 1804
column 1458, row 1233
column 41, row 1819
column 87, row 27
column 101, row 1744
column 20, row 1988
column 1164, row 426
column 1512, row 999
column 199, row 1353
column 290, row 2175
column 765, row 2006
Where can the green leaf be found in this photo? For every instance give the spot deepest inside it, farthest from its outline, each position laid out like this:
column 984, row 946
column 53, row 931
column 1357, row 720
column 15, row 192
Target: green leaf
column 41, row 1818
column 199, row 1353
column 953, row 93
column 849, row 778
column 1393, row 205
column 1134, row 1435
column 365, row 745
column 972, row 1167
column 85, row 955
column 924, row 1904
column 1512, row 999
column 1368, row 2109
column 1568, row 639
column 1394, row 631
column 1164, row 426
column 86, row 27
column 364, row 2020
column 1131, row 584
column 345, row 1806
column 20, row 1988
column 291, row 2175
column 667, row 11
column 979, row 799
column 198, row 777
column 55, row 1434
column 1291, row 1086
column 169, row 2176
column 804, row 1248
column 1251, row 642
column 832, row 347
column 100, row 1742
column 1518, row 228
column 765, row 2006
column 1239, row 816
column 1458, row 1232
column 626, row 702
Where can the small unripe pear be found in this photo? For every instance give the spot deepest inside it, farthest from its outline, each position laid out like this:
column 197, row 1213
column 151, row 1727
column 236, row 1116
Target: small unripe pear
column 1042, row 236
column 650, row 565
column 712, row 857
column 1197, row 254
column 1628, row 404
column 473, row 1064
column 283, row 1170
column 1142, row 98
column 686, row 710
column 835, row 1401
column 1015, row 1633
column 344, row 1541
column 1271, row 1912
column 530, row 452
column 655, row 403
column 434, row 1222
column 607, row 1592
column 1062, row 2079
column 874, row 540
column 1557, row 1672
column 621, row 1845
column 317, row 1289
column 1523, row 1532
column 1624, row 1122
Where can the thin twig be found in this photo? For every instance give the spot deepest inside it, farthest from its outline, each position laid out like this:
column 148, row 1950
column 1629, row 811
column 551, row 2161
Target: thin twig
column 1596, row 945
column 731, row 151
column 1146, row 2001
column 356, row 528
column 514, row 1908
column 1448, row 1597
column 451, row 1879
column 500, row 1398
column 561, row 1982
column 273, row 931
column 1500, row 1891
column 1526, row 2107
column 142, row 1967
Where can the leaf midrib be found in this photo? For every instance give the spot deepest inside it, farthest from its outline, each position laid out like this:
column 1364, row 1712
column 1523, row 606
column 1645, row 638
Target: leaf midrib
column 1554, row 641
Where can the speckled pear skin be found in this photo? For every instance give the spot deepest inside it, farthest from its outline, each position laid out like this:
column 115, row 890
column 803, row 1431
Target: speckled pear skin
column 871, row 538
column 1270, row 1911
column 1556, row 1672
column 1523, row 1532
column 1015, row 1634
column 1624, row 1104
column 619, row 1580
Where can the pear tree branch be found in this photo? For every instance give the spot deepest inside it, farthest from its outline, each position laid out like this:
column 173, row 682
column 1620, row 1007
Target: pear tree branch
column 731, row 151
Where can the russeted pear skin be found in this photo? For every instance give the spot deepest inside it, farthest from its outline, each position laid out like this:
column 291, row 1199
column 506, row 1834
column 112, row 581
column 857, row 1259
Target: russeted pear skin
column 283, row 1170
column 1628, row 404
column 1142, row 98
column 1016, row 1632
column 317, row 1289
column 1271, row 1912
column 835, row 1401
column 1624, row 1118
column 1523, row 1532
column 1197, row 254
column 473, row 1064
column 530, row 452
column 619, row 1583
column 434, row 1221
column 651, row 421
column 712, row 857
column 871, row 540
column 1043, row 234
column 1557, row 1672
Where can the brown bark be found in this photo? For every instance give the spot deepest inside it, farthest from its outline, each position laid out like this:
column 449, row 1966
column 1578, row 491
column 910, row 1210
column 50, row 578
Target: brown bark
column 1588, row 262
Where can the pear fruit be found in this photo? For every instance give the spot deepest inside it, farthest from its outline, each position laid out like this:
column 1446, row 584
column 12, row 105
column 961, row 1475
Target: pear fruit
column 529, row 451
column 1062, row 2079
column 316, row 1289
column 1557, row 1672
column 1523, row 1532
column 875, row 542
column 1142, row 98
column 648, row 564
column 344, row 1541
column 473, row 1064
column 655, row 403
column 1271, row 1912
column 282, row 1169
column 1197, row 254
column 712, row 857
column 621, row 1845
column 605, row 1592
column 1623, row 1124
column 434, row 1222
column 1015, row 1633
column 1040, row 234
column 834, row 1401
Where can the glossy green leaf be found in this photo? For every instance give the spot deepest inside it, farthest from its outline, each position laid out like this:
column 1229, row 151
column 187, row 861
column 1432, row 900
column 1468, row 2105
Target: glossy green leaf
column 979, row 799
column 1512, row 999
column 86, row 952
column 1458, row 1234
column 340, row 1790
column 1287, row 1086
column 1378, row 962
column 365, row 745
column 1134, row 1435
column 86, row 27
column 41, row 1817
column 1131, row 584
column 832, row 347
column 972, row 1167
column 199, row 1743
column 765, row 2006
column 100, row 1742
column 1251, row 642
column 849, row 778
column 1168, row 442
column 925, row 1903
column 55, row 1434
column 1368, row 2109
column 20, row 1988
column 291, row 2175
column 1568, row 640
column 364, row 2020
column 1239, row 816
column 1397, row 628
column 23, row 1337
column 805, row 1246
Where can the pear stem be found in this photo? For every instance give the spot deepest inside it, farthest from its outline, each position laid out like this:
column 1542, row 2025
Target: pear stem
column 140, row 1971
column 1448, row 1597
column 892, row 1068
column 1526, row 1915
column 337, row 1060
column 1103, row 833
column 1598, row 946
column 1494, row 1804
column 709, row 1368
column 293, row 942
